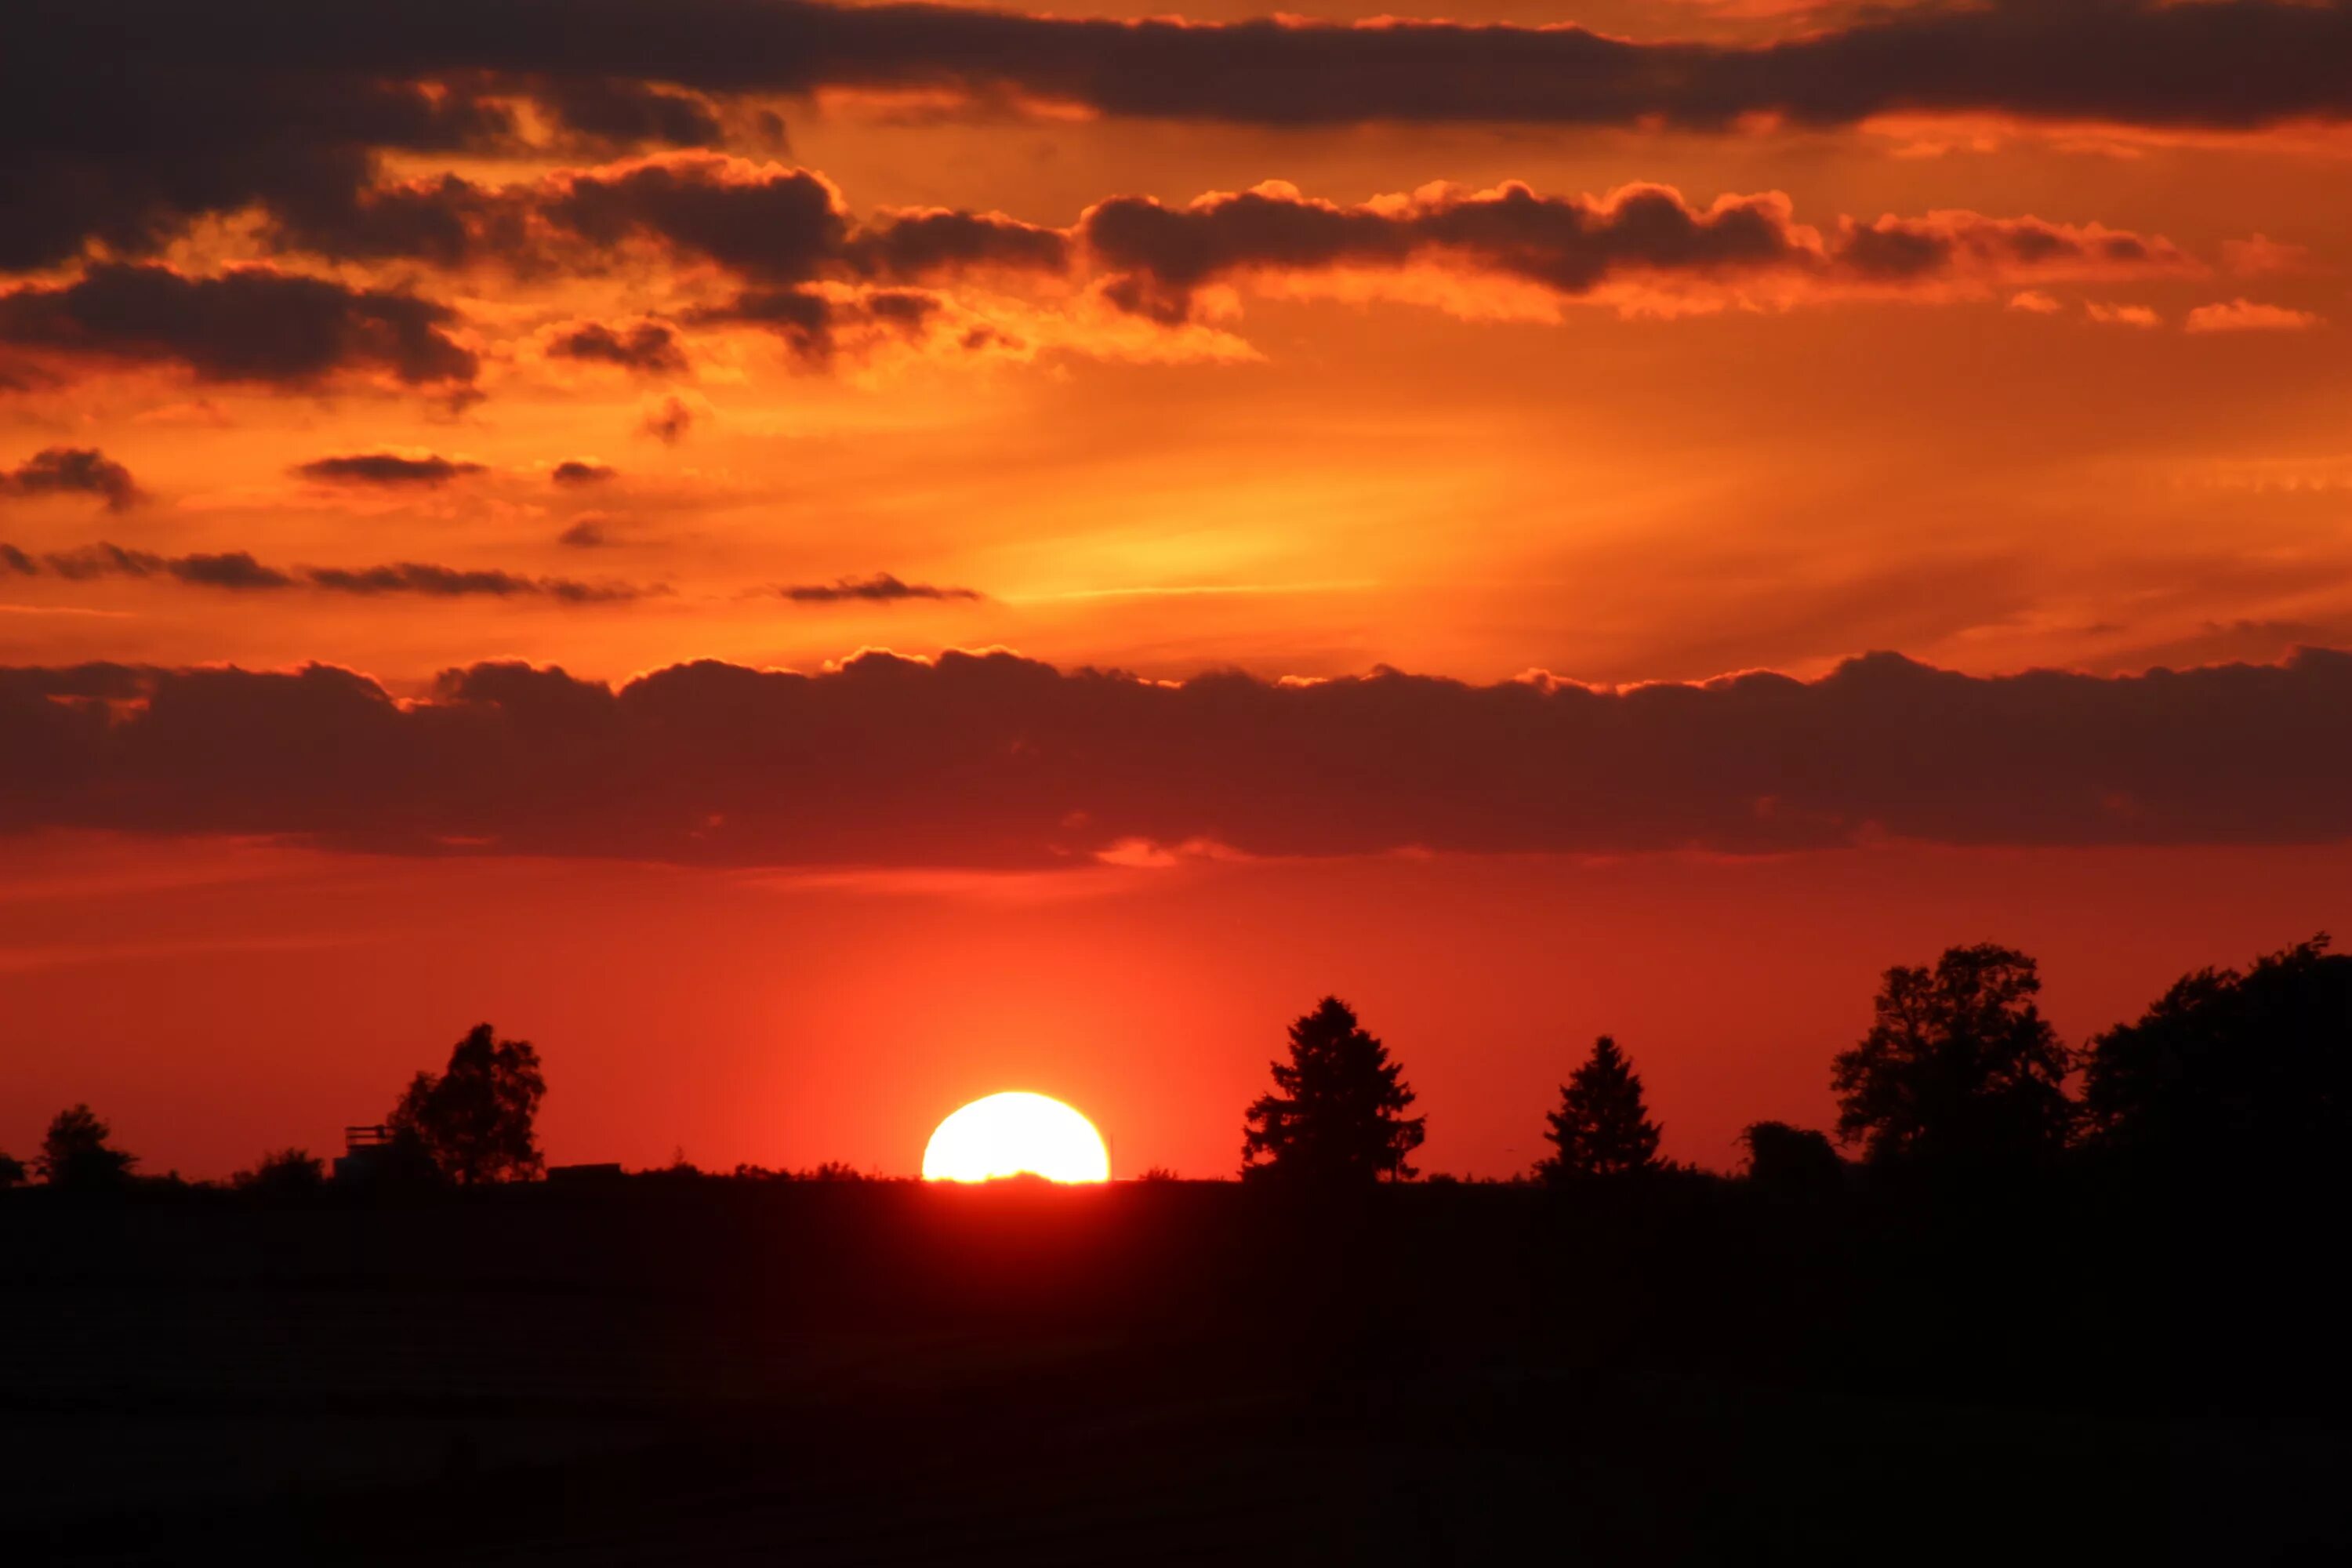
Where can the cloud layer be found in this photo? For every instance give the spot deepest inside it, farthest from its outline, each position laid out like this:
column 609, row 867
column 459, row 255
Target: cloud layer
column 122, row 119
column 997, row 761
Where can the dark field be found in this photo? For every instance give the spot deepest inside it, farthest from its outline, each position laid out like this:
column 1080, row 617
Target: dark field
column 699, row 1371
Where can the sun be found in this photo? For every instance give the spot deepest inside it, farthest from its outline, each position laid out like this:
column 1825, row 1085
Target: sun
column 1015, row 1132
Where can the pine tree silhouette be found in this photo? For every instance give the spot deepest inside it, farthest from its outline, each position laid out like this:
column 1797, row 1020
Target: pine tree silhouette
column 1338, row 1114
column 1601, row 1128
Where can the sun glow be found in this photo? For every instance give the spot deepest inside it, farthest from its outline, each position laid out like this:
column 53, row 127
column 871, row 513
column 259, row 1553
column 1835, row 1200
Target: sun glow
column 1016, row 1133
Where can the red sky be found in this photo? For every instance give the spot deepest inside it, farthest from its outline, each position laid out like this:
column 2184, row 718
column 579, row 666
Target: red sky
column 1721, row 338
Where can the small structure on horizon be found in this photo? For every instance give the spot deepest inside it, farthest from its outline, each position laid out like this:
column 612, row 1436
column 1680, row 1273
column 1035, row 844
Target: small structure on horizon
column 365, row 1150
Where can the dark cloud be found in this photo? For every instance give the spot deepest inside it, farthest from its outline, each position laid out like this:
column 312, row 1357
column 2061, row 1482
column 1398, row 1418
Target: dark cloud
column 930, row 243
column 648, row 348
column 384, row 468
column 121, row 137
column 1156, row 255
column 72, row 470
column 879, row 589
column 251, row 324
column 578, row 471
column 451, row 583
column 237, row 571
column 994, row 760
column 669, row 420
column 585, row 533
column 818, row 326
column 618, row 110
column 760, row 221
column 122, row 119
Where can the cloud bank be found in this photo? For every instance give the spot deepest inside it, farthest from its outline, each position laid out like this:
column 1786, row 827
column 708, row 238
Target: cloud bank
column 120, row 121
column 990, row 759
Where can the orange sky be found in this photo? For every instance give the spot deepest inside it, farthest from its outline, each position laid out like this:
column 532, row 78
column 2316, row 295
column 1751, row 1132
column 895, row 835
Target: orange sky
column 1388, row 413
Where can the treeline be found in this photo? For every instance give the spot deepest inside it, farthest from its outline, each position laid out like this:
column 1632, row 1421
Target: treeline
column 2232, row 1078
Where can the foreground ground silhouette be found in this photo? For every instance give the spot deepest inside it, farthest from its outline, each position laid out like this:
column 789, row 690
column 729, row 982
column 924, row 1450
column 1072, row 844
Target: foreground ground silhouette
column 678, row 1369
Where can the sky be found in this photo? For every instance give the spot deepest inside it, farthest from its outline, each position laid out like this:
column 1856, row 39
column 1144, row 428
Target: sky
column 823, row 561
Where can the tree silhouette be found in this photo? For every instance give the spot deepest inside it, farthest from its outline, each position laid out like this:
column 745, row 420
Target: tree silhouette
column 75, row 1157
column 1960, row 1068
column 2232, row 1074
column 12, row 1171
column 283, row 1170
column 476, row 1120
column 1338, row 1112
column 1601, row 1128
column 1791, row 1159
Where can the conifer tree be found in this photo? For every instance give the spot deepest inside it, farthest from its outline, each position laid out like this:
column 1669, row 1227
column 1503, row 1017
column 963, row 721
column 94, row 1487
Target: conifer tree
column 1601, row 1128
column 1337, row 1114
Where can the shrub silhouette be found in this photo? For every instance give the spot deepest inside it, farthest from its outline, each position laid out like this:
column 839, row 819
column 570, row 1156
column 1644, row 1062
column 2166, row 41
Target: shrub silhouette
column 12, row 1171
column 75, row 1157
column 476, row 1120
column 283, row 1172
column 1959, row 1069
column 1601, row 1128
column 1336, row 1115
column 2230, row 1075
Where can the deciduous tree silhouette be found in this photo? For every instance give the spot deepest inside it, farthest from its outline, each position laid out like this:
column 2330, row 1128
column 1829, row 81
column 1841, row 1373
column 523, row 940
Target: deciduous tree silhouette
column 476, row 1120
column 1601, row 1128
column 12, row 1171
column 1959, row 1069
column 75, row 1157
column 2233, row 1075
column 1791, row 1159
column 1338, row 1112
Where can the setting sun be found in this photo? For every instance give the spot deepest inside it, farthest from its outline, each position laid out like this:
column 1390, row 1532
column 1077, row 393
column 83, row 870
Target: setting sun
column 1013, row 1135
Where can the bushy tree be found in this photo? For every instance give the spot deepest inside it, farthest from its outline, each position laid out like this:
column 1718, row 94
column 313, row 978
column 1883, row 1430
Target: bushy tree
column 477, row 1119
column 2232, row 1074
column 75, row 1157
column 12, row 1171
column 1791, row 1159
column 1960, row 1068
column 1337, row 1114
column 1601, row 1128
column 282, row 1171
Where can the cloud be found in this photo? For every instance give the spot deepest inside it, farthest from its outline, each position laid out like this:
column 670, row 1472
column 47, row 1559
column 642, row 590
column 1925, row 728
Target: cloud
column 2109, row 315
column 760, row 221
column 645, row 348
column 817, row 324
column 385, row 469
column 451, row 582
column 237, row 571
column 995, row 760
column 669, row 420
column 879, row 589
column 1158, row 257
column 2247, row 316
column 580, row 471
column 251, row 324
column 919, row 244
column 585, row 533
column 72, row 470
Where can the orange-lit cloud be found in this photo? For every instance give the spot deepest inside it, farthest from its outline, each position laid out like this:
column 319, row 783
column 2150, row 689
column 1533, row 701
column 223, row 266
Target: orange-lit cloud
column 2248, row 316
